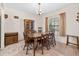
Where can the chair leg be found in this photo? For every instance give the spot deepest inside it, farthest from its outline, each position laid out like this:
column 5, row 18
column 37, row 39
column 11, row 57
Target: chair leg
column 42, row 46
column 27, row 49
column 67, row 40
column 54, row 41
column 24, row 47
column 47, row 45
column 34, row 49
column 77, row 42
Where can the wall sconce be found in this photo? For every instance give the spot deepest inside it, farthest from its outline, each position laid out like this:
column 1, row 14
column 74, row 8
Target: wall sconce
column 77, row 17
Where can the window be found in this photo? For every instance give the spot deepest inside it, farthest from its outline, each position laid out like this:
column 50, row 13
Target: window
column 53, row 25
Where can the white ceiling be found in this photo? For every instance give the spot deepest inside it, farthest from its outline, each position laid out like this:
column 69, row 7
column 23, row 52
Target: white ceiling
column 31, row 7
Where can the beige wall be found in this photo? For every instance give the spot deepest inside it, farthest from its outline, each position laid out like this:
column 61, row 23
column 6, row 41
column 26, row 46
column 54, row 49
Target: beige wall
column 16, row 25
column 72, row 26
column 38, row 21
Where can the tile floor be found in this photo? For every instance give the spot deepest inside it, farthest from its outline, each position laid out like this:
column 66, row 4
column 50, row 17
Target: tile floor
column 59, row 50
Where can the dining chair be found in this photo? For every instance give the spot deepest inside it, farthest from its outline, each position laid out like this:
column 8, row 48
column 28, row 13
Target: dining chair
column 52, row 38
column 25, row 38
column 28, row 41
column 46, row 42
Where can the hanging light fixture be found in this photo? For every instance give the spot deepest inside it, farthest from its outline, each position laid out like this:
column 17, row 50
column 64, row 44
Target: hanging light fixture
column 39, row 9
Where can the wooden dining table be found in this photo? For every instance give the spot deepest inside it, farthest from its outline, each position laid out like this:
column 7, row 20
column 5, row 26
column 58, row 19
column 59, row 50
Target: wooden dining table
column 34, row 37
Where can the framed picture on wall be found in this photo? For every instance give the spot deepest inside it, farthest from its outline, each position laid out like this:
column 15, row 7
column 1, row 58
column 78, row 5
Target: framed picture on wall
column 16, row 17
column 5, row 16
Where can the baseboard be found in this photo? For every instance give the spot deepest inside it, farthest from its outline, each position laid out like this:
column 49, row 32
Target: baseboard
column 20, row 40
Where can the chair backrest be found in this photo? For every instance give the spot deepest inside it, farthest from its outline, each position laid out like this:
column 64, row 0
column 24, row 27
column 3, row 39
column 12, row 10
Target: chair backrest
column 26, row 38
column 33, row 31
column 39, row 38
column 24, row 34
column 42, row 36
column 52, row 34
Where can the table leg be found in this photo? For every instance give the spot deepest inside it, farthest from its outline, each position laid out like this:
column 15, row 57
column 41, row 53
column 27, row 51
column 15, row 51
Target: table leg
column 77, row 43
column 34, row 48
column 27, row 48
column 67, row 40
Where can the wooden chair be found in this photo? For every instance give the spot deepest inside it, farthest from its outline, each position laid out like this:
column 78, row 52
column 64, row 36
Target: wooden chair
column 52, row 38
column 46, row 42
column 25, row 38
column 28, row 41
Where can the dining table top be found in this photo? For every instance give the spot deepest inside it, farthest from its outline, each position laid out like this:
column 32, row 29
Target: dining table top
column 36, row 34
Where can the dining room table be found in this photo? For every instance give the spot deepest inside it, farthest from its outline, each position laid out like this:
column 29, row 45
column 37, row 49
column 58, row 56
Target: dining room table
column 34, row 37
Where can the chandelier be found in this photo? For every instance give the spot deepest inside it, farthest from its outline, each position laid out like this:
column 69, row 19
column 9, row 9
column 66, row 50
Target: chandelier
column 39, row 10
